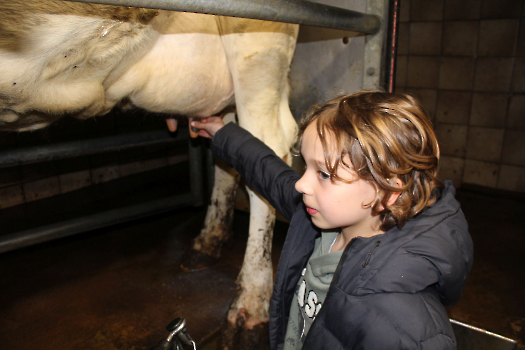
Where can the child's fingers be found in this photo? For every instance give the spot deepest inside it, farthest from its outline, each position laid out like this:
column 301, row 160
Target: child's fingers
column 201, row 126
column 201, row 123
column 210, row 119
column 204, row 133
column 197, row 124
column 208, row 126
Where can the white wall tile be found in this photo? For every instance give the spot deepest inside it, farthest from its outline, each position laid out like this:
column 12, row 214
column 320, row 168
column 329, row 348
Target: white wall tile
column 11, row 196
column 74, row 181
column 462, row 9
column 40, row 189
column 453, row 107
column 104, row 174
column 485, row 144
column 423, row 72
column 456, row 73
column 512, row 178
column 516, row 117
column 497, row 37
column 481, row 173
column 131, row 168
column 452, row 139
column 514, row 148
column 451, row 168
column 493, row 74
column 460, row 38
column 489, row 109
column 425, row 38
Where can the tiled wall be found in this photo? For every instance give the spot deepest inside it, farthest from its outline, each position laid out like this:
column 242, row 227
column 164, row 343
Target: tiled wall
column 465, row 60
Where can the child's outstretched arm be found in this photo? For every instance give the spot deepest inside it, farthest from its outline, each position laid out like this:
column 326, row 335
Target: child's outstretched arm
column 267, row 173
column 208, row 126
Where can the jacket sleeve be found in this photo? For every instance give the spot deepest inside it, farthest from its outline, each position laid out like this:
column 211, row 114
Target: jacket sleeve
column 263, row 170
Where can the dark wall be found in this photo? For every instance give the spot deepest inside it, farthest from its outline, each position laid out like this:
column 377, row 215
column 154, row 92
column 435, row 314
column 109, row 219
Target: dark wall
column 465, row 60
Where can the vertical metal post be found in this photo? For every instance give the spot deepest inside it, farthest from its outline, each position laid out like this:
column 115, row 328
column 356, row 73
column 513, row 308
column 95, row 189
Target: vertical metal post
column 196, row 181
column 374, row 56
column 210, row 171
column 391, row 44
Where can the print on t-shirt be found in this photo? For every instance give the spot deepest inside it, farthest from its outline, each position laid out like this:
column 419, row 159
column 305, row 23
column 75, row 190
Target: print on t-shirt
column 308, row 302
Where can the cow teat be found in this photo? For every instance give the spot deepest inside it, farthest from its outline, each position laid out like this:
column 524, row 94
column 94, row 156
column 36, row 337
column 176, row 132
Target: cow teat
column 194, row 132
column 172, row 124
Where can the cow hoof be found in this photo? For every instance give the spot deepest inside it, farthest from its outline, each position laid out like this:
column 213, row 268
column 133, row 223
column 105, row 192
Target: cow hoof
column 194, row 260
column 237, row 336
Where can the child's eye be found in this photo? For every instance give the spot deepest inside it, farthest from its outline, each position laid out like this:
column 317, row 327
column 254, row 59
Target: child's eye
column 323, row 175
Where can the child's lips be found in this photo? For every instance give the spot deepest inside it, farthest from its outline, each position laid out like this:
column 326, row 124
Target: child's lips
column 311, row 211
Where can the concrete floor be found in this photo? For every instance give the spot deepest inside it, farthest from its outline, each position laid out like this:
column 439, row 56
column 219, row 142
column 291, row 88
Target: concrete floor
column 493, row 297
column 118, row 287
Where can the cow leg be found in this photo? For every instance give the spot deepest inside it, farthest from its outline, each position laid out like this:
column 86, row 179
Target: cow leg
column 247, row 322
column 259, row 55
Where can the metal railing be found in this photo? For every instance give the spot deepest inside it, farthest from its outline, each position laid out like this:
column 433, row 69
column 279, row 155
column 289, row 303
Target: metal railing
column 43, row 153
column 100, row 145
column 288, row 11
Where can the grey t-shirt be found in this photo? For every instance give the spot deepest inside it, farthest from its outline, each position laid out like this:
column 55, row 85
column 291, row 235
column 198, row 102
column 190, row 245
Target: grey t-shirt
column 311, row 290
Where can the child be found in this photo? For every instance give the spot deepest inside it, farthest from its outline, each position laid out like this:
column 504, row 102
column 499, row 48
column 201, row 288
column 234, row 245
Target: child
column 378, row 245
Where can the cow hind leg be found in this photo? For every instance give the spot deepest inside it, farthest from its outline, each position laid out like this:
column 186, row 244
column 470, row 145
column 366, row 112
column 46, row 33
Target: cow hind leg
column 246, row 326
column 259, row 60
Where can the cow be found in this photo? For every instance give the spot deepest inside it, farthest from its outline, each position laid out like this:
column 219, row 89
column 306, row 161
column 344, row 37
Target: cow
column 81, row 60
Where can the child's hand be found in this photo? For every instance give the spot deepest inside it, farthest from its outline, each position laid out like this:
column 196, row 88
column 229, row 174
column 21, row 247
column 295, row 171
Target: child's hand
column 208, row 126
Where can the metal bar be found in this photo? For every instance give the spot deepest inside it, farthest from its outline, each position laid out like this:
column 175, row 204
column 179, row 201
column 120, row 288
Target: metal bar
column 196, row 178
column 469, row 337
column 288, row 11
column 374, row 65
column 209, row 162
column 50, row 152
column 91, row 222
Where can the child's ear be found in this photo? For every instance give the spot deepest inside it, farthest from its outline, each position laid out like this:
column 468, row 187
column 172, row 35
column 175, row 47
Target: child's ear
column 392, row 198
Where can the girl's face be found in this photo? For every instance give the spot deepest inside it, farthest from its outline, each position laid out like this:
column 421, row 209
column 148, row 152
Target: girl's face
column 335, row 204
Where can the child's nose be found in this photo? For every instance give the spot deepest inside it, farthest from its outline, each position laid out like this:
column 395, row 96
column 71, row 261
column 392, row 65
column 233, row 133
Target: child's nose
column 302, row 185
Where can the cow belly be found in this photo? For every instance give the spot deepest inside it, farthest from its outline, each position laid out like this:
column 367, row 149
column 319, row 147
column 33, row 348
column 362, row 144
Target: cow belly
column 183, row 74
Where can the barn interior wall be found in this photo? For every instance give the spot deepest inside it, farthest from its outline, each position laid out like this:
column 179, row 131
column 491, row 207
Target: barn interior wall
column 465, row 60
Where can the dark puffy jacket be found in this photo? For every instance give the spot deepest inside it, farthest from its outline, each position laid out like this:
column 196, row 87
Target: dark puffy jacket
column 389, row 291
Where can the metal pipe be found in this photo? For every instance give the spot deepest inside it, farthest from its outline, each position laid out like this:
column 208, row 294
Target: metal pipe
column 63, row 150
column 288, row 11
column 91, row 222
column 479, row 331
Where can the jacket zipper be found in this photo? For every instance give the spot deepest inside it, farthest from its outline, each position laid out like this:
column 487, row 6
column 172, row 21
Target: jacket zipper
column 365, row 264
column 340, row 266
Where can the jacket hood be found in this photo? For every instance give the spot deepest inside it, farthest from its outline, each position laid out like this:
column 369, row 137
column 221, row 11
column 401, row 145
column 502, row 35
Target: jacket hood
column 433, row 248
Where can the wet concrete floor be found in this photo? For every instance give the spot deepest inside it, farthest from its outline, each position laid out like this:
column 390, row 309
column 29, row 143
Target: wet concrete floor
column 118, row 287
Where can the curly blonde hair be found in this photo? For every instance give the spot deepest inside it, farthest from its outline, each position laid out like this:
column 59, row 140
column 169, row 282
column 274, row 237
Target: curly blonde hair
column 386, row 136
